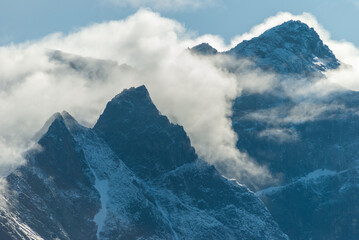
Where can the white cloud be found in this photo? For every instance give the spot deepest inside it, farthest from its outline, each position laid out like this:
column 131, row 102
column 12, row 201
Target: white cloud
column 36, row 82
column 172, row 5
column 279, row 134
column 299, row 113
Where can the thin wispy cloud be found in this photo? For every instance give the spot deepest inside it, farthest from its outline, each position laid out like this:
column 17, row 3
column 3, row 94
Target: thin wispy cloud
column 279, row 135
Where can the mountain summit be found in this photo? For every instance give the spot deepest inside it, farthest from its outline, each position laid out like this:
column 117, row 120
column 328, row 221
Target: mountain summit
column 143, row 138
column 290, row 48
column 204, row 49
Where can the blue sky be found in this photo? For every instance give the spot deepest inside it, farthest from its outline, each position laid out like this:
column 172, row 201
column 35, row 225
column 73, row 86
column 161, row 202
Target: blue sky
column 22, row 20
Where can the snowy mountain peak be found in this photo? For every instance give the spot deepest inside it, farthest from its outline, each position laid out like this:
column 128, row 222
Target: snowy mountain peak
column 70, row 122
column 290, row 48
column 64, row 117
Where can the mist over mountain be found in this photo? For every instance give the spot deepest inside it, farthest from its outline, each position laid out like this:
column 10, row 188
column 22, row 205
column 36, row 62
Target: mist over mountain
column 134, row 175
column 254, row 142
column 309, row 142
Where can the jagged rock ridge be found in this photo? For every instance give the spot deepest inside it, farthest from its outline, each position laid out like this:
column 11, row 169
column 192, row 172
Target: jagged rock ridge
column 134, row 176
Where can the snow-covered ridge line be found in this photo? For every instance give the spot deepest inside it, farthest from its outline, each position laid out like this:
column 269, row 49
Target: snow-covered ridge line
column 310, row 177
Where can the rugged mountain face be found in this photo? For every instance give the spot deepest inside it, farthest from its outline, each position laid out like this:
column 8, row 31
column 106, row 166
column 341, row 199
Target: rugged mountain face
column 297, row 139
column 52, row 196
column 143, row 138
column 134, row 176
column 309, row 143
column 324, row 204
column 290, row 48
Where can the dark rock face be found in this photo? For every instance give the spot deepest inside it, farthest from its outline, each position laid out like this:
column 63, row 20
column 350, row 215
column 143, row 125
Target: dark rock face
column 160, row 153
column 322, row 207
column 60, row 159
column 144, row 139
column 134, row 176
column 53, row 194
column 273, row 130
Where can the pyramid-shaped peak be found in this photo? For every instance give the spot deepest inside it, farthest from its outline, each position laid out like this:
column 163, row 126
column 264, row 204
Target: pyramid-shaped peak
column 204, row 49
column 70, row 121
column 290, row 48
column 132, row 94
column 63, row 119
column 145, row 140
column 63, row 116
column 141, row 90
column 132, row 100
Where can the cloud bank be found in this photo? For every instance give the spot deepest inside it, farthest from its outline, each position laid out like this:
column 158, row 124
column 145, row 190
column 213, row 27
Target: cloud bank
column 82, row 71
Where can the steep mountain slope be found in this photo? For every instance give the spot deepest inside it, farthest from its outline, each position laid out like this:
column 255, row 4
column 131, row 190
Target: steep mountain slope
column 52, row 196
column 321, row 205
column 301, row 137
column 135, row 176
column 145, row 140
column 296, row 139
column 290, row 48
